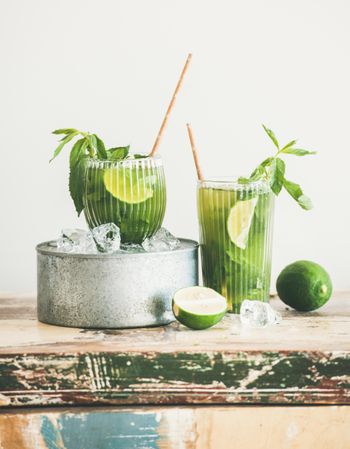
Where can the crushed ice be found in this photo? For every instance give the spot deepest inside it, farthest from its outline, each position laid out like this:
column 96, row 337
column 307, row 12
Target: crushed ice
column 106, row 239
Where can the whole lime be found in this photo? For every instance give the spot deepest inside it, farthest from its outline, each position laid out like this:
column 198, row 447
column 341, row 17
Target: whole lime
column 304, row 285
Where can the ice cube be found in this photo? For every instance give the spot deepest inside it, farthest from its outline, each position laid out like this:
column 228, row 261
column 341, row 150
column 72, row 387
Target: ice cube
column 162, row 240
column 107, row 238
column 76, row 241
column 258, row 314
column 131, row 248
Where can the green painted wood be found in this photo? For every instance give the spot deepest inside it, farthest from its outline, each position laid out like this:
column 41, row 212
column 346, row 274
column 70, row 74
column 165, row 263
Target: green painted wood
column 304, row 360
column 184, row 377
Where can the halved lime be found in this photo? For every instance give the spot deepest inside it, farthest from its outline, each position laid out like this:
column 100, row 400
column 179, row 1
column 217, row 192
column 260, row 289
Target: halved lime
column 198, row 307
column 127, row 186
column 239, row 221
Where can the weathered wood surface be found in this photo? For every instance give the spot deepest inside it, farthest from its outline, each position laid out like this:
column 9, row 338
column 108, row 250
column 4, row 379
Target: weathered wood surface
column 303, row 360
column 322, row 427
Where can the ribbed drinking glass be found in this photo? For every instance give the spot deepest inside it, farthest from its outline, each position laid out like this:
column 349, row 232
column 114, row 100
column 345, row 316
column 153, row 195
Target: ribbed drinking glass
column 236, row 224
column 130, row 193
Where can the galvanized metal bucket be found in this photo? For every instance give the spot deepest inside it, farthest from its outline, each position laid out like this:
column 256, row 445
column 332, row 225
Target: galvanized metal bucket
column 112, row 291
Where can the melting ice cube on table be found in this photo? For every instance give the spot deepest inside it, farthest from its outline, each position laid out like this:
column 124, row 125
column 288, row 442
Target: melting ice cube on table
column 258, row 314
column 107, row 238
column 162, row 240
column 76, row 241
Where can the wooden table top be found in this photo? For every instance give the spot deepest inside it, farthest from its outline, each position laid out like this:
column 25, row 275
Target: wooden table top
column 304, row 359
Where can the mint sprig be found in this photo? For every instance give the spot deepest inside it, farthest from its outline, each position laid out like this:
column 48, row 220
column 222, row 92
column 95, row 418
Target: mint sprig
column 89, row 146
column 273, row 170
column 118, row 153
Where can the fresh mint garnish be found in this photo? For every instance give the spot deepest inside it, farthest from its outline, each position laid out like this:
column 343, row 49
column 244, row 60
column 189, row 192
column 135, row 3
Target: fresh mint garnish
column 117, row 154
column 89, row 146
column 273, row 170
column 100, row 147
column 296, row 192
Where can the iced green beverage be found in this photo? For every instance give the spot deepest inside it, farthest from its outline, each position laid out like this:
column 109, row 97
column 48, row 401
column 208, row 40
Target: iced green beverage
column 130, row 193
column 235, row 223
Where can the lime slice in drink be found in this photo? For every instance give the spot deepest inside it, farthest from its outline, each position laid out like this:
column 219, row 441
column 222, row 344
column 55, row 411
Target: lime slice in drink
column 239, row 221
column 199, row 307
column 126, row 187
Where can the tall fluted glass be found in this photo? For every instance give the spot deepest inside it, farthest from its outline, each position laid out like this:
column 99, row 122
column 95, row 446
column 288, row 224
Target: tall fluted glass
column 130, row 193
column 236, row 224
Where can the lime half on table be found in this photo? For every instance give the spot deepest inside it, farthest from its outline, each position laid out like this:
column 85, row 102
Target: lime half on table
column 199, row 307
column 127, row 186
column 239, row 221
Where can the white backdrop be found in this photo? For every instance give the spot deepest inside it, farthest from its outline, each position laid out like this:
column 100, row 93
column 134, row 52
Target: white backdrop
column 110, row 66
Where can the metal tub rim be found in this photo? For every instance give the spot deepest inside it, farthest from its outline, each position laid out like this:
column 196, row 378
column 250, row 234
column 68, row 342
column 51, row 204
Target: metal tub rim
column 40, row 248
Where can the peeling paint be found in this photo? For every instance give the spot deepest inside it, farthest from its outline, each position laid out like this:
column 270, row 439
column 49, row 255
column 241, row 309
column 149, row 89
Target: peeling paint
column 180, row 377
column 292, row 363
column 208, row 427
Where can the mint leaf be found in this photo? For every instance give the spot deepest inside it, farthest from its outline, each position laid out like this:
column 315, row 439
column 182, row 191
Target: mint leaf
column 298, row 151
column 88, row 146
column 305, row 202
column 292, row 188
column 257, row 173
column 243, row 180
column 140, row 156
column 118, row 153
column 272, row 169
column 277, row 170
column 67, row 139
column 289, row 144
column 267, row 162
column 260, row 171
column 272, row 136
column 76, row 184
column 77, row 161
column 91, row 144
column 65, row 131
column 77, row 152
column 295, row 191
column 100, row 148
column 236, row 256
column 78, row 158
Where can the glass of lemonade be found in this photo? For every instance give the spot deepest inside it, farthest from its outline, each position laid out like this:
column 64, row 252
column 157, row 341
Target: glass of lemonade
column 130, row 193
column 236, row 222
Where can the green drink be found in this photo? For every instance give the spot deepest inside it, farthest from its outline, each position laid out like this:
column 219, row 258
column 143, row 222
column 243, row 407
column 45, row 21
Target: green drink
column 130, row 193
column 235, row 223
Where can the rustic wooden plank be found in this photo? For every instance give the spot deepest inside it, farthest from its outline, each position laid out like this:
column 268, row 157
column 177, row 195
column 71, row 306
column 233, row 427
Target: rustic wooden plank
column 327, row 330
column 182, row 377
column 306, row 359
column 178, row 428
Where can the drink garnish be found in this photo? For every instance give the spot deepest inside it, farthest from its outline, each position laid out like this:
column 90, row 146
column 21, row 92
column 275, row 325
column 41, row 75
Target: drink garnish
column 88, row 146
column 129, row 189
column 239, row 221
column 273, row 169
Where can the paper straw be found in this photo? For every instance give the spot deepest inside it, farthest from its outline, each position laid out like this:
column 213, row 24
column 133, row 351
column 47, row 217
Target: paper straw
column 170, row 107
